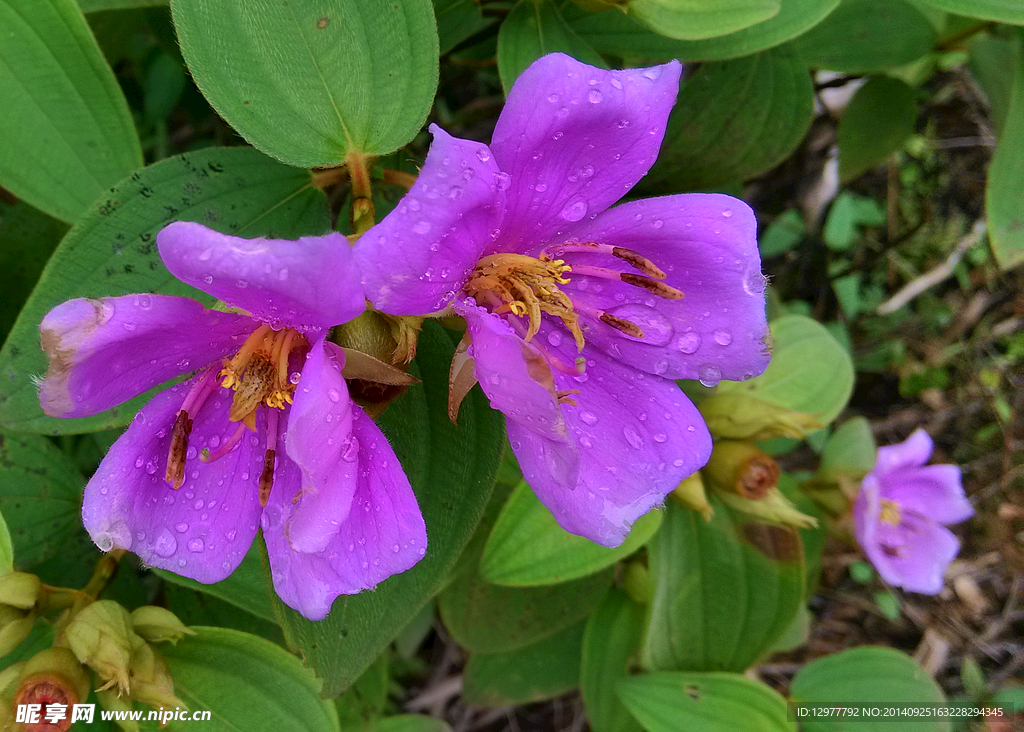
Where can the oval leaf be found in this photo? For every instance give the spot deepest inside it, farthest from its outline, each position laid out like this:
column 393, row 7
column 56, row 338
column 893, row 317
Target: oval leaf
column 723, row 591
column 309, row 83
column 810, row 371
column 1004, row 11
column 66, row 127
column 711, row 702
column 535, row 28
column 244, row 681
column 1003, row 202
column 693, row 20
column 734, row 120
column 452, row 471
column 877, row 121
column 610, row 642
column 863, row 36
column 867, row 675
column 6, row 548
column 528, row 547
column 615, row 33
column 112, row 251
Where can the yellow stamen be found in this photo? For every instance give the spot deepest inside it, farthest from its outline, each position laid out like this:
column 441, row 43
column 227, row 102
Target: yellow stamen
column 526, row 286
column 890, row 512
column 258, row 373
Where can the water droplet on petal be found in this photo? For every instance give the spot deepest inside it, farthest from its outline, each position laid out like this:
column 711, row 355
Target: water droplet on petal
column 165, row 544
column 575, row 209
column 555, row 338
column 595, row 96
column 688, row 342
column 660, row 437
column 723, row 337
column 632, row 437
column 503, row 181
column 195, row 545
column 483, row 154
column 455, row 192
column 333, row 394
column 653, row 73
column 709, row 374
column 588, row 418
column 205, row 254
column 421, row 227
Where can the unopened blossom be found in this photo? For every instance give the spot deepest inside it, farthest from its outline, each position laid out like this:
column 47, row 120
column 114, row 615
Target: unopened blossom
column 901, row 511
column 263, row 432
column 579, row 314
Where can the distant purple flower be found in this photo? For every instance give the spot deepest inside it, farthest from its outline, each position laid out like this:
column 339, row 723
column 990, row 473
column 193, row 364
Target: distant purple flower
column 579, row 314
column 263, row 433
column 900, row 511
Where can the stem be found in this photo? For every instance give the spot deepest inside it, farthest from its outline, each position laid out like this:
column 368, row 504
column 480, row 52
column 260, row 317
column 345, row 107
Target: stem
column 399, row 178
column 950, row 42
column 361, row 215
column 328, row 177
column 104, row 572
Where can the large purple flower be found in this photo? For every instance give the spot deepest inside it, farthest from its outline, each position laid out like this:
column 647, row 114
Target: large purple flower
column 579, row 315
column 263, row 433
column 900, row 512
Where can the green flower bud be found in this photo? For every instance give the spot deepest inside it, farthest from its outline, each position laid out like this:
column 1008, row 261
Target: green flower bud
column 636, row 581
column 739, row 416
column 102, row 638
column 691, row 494
column 741, row 468
column 151, row 681
column 19, row 589
column 157, row 624
column 377, row 348
column 53, row 676
column 9, row 680
column 15, row 625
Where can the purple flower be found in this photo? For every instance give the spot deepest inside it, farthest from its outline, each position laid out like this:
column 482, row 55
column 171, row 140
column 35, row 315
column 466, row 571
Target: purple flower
column 579, row 315
column 900, row 512
column 264, row 433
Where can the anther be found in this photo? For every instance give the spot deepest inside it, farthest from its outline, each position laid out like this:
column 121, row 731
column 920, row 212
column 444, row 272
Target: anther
column 621, row 324
column 267, row 476
column 638, row 261
column 658, row 288
column 175, row 474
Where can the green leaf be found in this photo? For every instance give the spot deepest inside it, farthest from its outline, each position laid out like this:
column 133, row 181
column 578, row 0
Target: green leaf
column 246, row 681
column 112, row 251
column 41, row 494
column 810, row 371
column 528, row 547
column 67, row 131
column 1004, row 11
column 867, row 675
column 27, row 239
column 366, row 699
column 610, row 642
column 846, row 213
column 309, row 83
column 877, row 121
column 452, row 471
column 783, row 234
column 850, row 451
column 94, row 6
column 694, row 20
column 992, row 63
column 536, row 672
column 411, row 723
column 615, row 33
column 533, row 29
column 6, row 548
column 864, row 36
column 710, row 702
column 1004, row 205
column 248, row 587
column 201, row 608
column 723, row 591
column 457, row 21
column 734, row 120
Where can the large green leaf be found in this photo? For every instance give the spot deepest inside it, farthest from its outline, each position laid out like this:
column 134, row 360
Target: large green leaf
column 452, row 470
column 535, row 28
column 734, row 120
column 1005, row 11
column 410, row 723
column 66, row 129
column 27, row 239
column 40, row 495
column 810, row 371
column 248, row 683
column 248, row 587
column 310, row 82
column 458, row 20
column 850, row 450
column 528, row 547
column 877, row 121
column 710, row 702
column 200, row 608
column 862, row 36
column 6, row 547
column 112, row 251
column 610, row 643
column 722, row 592
column 1003, row 202
column 615, row 33
column 533, row 673
column 694, row 20
column 864, row 676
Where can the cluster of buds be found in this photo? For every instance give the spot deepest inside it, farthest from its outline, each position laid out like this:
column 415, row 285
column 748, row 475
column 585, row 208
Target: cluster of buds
column 19, row 594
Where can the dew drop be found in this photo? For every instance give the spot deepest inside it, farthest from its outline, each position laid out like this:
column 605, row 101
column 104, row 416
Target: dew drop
column 595, row 96
column 723, row 337
column 727, row 213
column 165, row 544
column 555, row 338
column 660, row 437
column 709, row 374
column 541, row 187
column 574, row 210
column 588, row 418
column 455, row 192
column 653, row 73
column 503, row 181
column 688, row 342
column 632, row 437
column 195, row 545
column 205, row 254
column 333, row 395
column 421, row 227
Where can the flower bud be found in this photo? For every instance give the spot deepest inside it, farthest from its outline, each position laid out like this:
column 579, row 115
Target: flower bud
column 19, row 589
column 8, row 686
column 157, row 624
column 101, row 636
column 15, row 625
column 738, row 416
column 151, row 681
column 52, row 676
column 691, row 494
column 385, row 343
column 742, row 468
column 636, row 581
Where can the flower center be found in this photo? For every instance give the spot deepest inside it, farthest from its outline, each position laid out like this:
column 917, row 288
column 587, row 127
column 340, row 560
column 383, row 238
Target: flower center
column 529, row 286
column 259, row 375
column 890, row 512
